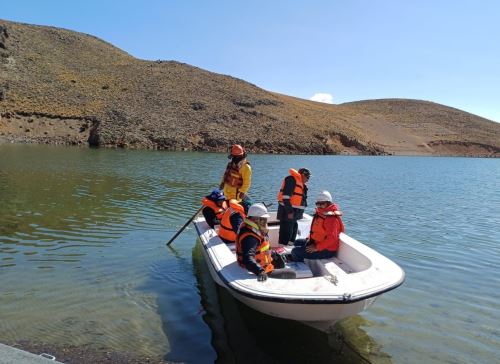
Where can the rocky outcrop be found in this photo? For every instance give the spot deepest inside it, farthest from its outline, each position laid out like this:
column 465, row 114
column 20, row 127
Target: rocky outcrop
column 3, row 36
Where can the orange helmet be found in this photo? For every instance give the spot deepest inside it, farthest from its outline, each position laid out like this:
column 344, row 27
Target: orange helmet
column 237, row 150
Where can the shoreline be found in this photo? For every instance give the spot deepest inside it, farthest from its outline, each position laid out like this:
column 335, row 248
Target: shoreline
column 36, row 128
column 85, row 354
column 29, row 141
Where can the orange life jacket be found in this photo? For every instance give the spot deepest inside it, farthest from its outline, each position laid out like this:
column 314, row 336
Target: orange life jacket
column 226, row 229
column 298, row 191
column 232, row 176
column 263, row 250
column 219, row 210
column 322, row 238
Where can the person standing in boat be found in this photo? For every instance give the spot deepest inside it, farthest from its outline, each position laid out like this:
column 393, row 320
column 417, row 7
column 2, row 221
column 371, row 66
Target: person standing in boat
column 326, row 226
column 253, row 249
column 292, row 201
column 232, row 219
column 214, row 206
column 237, row 178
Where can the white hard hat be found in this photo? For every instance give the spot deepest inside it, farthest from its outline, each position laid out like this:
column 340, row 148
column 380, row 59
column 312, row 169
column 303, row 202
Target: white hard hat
column 258, row 210
column 324, row 196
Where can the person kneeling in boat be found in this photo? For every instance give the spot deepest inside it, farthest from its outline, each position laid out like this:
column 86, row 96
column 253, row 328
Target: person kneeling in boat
column 326, row 226
column 214, row 206
column 232, row 219
column 252, row 246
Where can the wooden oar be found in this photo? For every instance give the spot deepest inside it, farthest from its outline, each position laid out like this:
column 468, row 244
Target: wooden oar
column 186, row 224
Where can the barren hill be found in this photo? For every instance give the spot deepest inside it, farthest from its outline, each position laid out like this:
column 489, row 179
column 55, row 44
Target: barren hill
column 60, row 86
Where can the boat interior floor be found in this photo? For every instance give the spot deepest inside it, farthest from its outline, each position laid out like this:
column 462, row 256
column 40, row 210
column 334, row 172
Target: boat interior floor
column 310, row 267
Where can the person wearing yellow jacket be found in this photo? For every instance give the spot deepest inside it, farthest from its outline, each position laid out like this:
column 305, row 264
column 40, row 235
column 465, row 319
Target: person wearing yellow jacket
column 237, row 177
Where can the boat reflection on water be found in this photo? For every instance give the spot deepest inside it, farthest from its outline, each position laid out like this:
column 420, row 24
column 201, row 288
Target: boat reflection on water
column 241, row 334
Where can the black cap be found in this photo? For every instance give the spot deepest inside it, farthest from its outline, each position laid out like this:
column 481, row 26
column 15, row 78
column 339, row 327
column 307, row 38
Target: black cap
column 305, row 172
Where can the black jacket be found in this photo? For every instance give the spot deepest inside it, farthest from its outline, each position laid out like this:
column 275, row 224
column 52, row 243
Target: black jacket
column 248, row 247
column 286, row 208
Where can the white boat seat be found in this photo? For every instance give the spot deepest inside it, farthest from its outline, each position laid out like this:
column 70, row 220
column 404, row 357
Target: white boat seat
column 301, row 269
column 324, row 267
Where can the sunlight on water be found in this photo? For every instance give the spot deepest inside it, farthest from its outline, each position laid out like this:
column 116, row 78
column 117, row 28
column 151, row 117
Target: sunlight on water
column 83, row 258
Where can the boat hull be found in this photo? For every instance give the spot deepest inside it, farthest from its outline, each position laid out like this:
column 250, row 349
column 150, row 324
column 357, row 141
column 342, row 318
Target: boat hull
column 319, row 316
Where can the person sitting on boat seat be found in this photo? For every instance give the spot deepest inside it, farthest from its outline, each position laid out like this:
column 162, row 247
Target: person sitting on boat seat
column 214, row 206
column 326, row 226
column 238, row 175
column 252, row 246
column 232, row 219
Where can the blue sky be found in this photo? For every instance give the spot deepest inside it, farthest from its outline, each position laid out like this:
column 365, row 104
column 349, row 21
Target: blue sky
column 441, row 50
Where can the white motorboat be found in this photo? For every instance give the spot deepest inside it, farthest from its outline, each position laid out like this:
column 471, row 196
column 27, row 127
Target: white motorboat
column 324, row 291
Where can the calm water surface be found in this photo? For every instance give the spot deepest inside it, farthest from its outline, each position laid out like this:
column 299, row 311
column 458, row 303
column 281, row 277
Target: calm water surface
column 83, row 257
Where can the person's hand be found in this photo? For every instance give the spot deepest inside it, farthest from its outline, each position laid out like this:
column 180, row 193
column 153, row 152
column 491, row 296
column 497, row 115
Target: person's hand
column 311, row 248
column 338, row 213
column 290, row 216
column 262, row 276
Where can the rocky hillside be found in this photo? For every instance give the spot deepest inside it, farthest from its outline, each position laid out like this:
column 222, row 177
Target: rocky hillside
column 60, row 86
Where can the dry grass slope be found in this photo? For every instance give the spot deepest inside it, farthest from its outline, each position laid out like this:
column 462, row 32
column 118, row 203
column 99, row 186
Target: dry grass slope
column 60, row 86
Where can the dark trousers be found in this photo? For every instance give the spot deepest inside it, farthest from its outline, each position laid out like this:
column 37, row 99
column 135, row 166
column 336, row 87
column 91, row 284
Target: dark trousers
column 288, row 231
column 283, row 273
column 227, row 241
column 209, row 216
column 299, row 252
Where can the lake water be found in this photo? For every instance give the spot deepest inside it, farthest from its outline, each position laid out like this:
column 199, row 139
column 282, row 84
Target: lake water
column 83, row 259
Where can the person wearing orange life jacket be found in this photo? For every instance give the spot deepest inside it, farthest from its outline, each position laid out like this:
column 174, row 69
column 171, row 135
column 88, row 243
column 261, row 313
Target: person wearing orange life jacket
column 326, row 226
column 232, row 219
column 237, row 177
column 292, row 201
column 214, row 206
column 252, row 246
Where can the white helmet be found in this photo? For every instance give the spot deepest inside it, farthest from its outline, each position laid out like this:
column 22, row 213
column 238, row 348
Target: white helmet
column 324, row 196
column 258, row 210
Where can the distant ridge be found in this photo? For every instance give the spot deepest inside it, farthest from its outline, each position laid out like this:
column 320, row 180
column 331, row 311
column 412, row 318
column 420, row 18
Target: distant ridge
column 64, row 87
